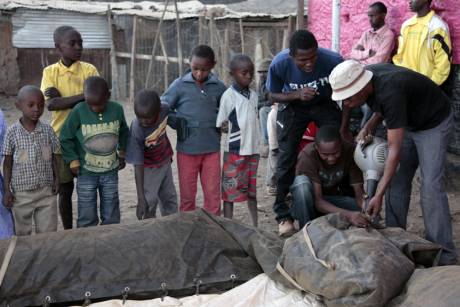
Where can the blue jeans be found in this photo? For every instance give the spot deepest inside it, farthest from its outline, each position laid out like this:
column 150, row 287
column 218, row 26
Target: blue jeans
column 263, row 116
column 87, row 190
column 303, row 201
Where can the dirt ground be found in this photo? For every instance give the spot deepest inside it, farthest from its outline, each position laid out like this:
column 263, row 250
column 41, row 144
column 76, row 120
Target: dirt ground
column 267, row 221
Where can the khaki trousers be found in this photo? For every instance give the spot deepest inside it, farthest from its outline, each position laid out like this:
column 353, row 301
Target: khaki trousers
column 39, row 205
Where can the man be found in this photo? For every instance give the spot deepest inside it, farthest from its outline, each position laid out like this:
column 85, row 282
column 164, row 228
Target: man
column 376, row 44
column 264, row 105
column 325, row 174
column 298, row 80
column 418, row 116
column 424, row 44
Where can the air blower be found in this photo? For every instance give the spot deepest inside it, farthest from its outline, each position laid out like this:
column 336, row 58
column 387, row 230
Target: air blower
column 371, row 159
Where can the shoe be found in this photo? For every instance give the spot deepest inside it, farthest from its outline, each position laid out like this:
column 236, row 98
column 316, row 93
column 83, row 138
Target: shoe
column 286, row 228
column 271, row 190
column 264, row 151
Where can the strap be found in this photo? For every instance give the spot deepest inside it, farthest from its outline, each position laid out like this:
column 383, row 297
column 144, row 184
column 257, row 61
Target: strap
column 289, row 278
column 444, row 45
column 7, row 259
column 327, row 265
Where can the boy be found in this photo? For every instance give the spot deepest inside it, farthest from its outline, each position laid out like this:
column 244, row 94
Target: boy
column 62, row 85
column 151, row 153
column 30, row 167
column 194, row 99
column 93, row 141
column 241, row 158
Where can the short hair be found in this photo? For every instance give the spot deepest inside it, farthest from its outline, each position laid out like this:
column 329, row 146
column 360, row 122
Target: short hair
column 237, row 59
column 327, row 133
column 204, row 51
column 60, row 32
column 95, row 84
column 147, row 101
column 380, row 6
column 302, row 39
column 27, row 90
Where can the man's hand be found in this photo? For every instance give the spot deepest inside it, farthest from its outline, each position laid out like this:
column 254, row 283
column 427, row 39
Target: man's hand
column 8, row 198
column 75, row 170
column 359, row 47
column 307, row 93
column 358, row 219
column 141, row 208
column 121, row 163
column 372, row 53
column 52, row 92
column 55, row 188
column 275, row 152
column 375, row 206
column 224, row 127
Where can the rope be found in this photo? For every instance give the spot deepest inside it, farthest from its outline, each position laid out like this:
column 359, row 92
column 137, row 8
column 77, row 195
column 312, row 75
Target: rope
column 327, row 265
column 7, row 259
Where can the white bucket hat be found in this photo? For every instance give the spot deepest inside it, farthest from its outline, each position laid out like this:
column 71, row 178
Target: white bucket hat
column 348, row 78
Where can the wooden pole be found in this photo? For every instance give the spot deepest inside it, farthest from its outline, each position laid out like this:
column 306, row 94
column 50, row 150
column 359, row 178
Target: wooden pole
column 179, row 45
column 113, row 57
column 132, row 82
column 225, row 55
column 201, row 21
column 242, row 35
column 300, row 14
column 155, row 42
column 166, row 66
column 211, row 32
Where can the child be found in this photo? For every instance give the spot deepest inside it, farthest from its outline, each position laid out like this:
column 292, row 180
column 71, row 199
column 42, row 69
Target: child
column 30, row 167
column 151, row 153
column 272, row 151
column 6, row 218
column 239, row 107
column 62, row 85
column 194, row 99
column 93, row 141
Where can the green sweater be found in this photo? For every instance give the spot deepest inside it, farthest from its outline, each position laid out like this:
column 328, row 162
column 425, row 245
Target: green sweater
column 94, row 141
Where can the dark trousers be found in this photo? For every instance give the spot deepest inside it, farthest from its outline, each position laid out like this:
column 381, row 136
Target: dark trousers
column 291, row 122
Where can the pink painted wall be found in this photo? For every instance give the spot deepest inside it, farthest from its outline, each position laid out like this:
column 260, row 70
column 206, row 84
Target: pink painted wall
column 353, row 20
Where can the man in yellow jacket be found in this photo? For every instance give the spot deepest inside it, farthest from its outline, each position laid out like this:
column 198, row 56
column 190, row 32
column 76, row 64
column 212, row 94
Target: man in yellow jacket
column 424, row 43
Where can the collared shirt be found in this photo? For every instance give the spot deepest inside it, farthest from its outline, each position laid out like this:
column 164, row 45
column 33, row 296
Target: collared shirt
column 69, row 82
column 380, row 41
column 199, row 106
column 239, row 108
column 32, row 156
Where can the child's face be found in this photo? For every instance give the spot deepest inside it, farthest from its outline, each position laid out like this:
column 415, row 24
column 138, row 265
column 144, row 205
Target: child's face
column 147, row 120
column 201, row 67
column 243, row 74
column 71, row 46
column 97, row 100
column 32, row 106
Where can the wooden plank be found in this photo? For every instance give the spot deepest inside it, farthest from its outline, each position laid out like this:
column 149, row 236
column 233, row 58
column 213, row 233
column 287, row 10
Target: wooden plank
column 147, row 57
column 155, row 42
column 179, row 43
column 226, row 55
column 261, row 24
column 201, row 21
column 113, row 58
column 211, row 32
column 242, row 36
column 300, row 14
column 132, row 82
column 166, row 66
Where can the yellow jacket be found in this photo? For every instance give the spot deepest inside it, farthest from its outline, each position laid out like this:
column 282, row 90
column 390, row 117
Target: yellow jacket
column 435, row 48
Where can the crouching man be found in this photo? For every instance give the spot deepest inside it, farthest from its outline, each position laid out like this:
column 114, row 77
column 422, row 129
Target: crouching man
column 327, row 180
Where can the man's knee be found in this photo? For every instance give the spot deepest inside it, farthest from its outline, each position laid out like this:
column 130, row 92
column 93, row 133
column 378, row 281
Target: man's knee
column 302, row 182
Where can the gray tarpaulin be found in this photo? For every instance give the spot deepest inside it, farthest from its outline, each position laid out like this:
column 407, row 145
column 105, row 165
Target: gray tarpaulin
column 181, row 251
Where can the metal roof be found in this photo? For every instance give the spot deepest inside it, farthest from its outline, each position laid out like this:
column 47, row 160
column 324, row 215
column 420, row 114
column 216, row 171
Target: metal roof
column 34, row 28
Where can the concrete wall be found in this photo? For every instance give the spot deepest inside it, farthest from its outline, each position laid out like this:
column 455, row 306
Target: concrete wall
column 354, row 20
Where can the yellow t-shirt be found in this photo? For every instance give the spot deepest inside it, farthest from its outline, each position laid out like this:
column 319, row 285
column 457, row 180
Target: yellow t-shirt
column 69, row 82
column 414, row 38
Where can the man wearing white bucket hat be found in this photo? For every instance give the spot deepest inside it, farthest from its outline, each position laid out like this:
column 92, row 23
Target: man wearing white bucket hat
column 419, row 118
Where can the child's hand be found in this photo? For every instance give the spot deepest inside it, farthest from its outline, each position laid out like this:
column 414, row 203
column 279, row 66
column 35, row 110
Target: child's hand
column 52, row 92
column 55, row 187
column 224, row 127
column 75, row 170
column 8, row 199
column 275, row 152
column 121, row 163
